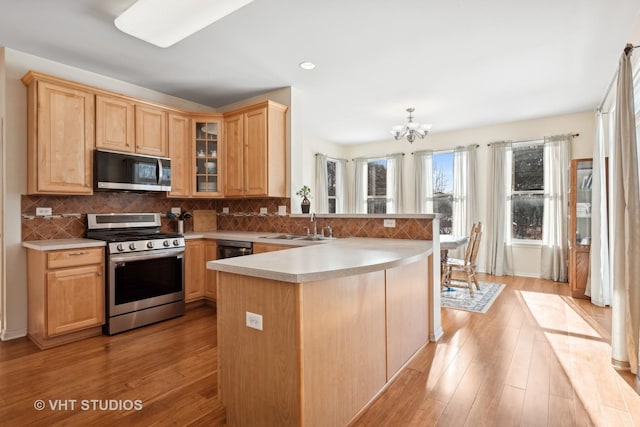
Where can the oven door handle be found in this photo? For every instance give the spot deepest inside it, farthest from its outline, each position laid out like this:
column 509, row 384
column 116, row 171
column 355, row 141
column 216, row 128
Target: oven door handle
column 141, row 256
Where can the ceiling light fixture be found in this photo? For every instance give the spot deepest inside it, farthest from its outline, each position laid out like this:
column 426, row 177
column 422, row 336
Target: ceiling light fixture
column 166, row 22
column 411, row 129
column 307, row 65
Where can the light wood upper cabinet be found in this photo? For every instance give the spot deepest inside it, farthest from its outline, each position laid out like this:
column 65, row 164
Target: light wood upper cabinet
column 180, row 154
column 206, row 156
column 255, row 149
column 60, row 136
column 234, row 155
column 115, row 123
column 151, row 131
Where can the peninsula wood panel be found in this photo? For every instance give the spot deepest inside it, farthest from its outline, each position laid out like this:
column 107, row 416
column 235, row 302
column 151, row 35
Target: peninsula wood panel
column 115, row 123
column 343, row 337
column 211, row 253
column 407, row 313
column 259, row 370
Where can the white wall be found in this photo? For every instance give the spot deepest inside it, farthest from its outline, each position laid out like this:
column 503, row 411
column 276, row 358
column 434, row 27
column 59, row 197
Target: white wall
column 527, row 258
column 16, row 64
column 3, row 270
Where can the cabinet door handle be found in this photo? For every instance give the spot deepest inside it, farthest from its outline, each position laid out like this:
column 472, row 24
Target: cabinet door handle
column 77, row 253
column 99, row 273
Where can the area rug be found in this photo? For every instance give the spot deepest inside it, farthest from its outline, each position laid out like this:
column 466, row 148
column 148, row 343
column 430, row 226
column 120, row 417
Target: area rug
column 459, row 299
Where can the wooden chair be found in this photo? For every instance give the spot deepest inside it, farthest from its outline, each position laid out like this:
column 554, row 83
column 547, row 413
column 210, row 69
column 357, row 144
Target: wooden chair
column 466, row 265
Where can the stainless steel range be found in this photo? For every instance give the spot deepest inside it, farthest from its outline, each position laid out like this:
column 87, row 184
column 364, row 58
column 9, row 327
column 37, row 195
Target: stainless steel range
column 145, row 269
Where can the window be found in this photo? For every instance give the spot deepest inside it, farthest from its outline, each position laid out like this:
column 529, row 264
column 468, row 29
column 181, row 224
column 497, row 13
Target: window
column 527, row 190
column 442, row 182
column 331, row 185
column 377, row 186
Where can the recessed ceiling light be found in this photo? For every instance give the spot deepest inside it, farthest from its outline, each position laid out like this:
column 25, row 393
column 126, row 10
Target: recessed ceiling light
column 166, row 22
column 307, row 65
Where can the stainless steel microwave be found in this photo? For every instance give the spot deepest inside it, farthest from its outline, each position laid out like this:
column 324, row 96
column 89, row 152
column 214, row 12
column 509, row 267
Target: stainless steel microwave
column 123, row 171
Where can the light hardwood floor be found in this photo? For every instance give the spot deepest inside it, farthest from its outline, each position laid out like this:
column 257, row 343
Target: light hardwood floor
column 537, row 357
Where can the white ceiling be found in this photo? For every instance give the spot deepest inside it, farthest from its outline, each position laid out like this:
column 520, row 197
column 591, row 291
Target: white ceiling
column 460, row 63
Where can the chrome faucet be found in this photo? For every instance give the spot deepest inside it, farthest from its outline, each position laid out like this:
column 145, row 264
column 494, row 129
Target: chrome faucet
column 315, row 225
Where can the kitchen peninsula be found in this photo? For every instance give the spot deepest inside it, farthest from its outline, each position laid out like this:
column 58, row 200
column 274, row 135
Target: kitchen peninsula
column 311, row 335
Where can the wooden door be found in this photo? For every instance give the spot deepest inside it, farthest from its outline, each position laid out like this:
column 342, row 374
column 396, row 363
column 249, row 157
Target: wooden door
column 180, row 154
column 115, row 123
column 211, row 251
column 194, row 269
column 75, row 299
column 65, row 140
column 234, row 155
column 151, row 131
column 256, row 154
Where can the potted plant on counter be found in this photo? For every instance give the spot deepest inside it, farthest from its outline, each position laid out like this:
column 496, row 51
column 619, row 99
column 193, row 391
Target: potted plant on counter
column 305, row 193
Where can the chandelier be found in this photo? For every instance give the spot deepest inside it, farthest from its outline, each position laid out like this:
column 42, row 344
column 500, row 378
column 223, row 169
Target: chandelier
column 411, row 129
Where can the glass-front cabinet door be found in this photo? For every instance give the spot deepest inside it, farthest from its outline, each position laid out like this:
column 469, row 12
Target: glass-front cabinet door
column 580, row 209
column 584, row 177
column 207, row 155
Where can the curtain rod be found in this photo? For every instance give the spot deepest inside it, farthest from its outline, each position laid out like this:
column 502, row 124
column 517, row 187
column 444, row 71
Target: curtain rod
column 530, row 140
column 330, row 157
column 445, row 149
column 628, row 48
column 375, row 158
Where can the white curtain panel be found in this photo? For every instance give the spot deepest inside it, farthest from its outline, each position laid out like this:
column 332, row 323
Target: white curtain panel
column 423, row 161
column 599, row 285
column 395, row 196
column 557, row 162
column 321, row 198
column 465, row 193
column 360, row 186
column 342, row 186
column 626, row 223
column 500, row 256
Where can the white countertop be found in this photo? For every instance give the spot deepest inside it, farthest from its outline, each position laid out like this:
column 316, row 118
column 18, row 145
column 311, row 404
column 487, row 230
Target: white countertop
column 251, row 236
column 59, row 244
column 335, row 258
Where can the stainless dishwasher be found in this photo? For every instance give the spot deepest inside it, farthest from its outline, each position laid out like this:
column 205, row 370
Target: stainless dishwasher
column 233, row 248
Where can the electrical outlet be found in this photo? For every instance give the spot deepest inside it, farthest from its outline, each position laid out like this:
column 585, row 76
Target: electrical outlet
column 254, row 320
column 389, row 223
column 176, row 211
column 225, row 210
column 44, row 211
column 263, row 211
column 282, row 210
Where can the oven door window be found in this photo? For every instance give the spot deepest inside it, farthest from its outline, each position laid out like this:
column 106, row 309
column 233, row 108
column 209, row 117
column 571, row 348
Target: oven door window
column 139, row 280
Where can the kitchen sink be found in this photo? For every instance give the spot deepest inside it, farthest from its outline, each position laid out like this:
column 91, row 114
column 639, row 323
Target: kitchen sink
column 297, row 237
column 286, row 237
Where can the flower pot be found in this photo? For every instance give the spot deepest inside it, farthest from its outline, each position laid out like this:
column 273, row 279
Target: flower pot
column 305, row 205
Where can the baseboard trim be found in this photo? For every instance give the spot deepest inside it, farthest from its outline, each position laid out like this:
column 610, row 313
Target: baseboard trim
column 12, row 335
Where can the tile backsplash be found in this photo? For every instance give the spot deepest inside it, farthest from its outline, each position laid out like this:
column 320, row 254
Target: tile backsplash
column 69, row 216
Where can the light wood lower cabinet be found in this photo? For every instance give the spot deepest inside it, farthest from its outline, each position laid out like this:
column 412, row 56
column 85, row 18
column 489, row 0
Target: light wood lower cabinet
column 199, row 282
column 65, row 295
column 259, row 248
column 211, row 252
column 194, row 270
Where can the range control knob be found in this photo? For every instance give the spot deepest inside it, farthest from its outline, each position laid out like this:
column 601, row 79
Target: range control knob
column 150, row 244
column 176, row 242
column 120, row 248
column 166, row 243
column 132, row 246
